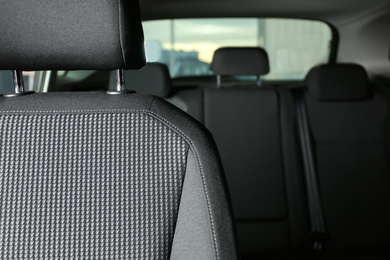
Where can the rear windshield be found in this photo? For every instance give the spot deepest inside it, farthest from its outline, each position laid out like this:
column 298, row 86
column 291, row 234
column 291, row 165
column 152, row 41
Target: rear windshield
column 187, row 46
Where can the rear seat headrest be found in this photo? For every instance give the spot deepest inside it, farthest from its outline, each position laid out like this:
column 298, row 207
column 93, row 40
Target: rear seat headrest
column 338, row 82
column 240, row 61
column 71, row 35
column 153, row 79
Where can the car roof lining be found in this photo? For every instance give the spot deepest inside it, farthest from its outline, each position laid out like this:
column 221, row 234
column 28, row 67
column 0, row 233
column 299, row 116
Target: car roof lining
column 336, row 12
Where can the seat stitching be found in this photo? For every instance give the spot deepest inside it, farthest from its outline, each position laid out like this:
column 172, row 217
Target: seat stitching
column 203, row 179
column 158, row 118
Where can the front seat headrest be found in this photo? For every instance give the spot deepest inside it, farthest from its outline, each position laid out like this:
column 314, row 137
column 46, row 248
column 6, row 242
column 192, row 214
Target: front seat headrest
column 153, row 79
column 338, row 82
column 240, row 61
column 70, row 35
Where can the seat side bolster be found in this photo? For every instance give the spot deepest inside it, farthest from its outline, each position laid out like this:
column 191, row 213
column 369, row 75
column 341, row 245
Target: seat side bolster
column 208, row 172
column 193, row 238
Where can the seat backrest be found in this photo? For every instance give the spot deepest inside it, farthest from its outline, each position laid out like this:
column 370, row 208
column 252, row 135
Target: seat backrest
column 92, row 175
column 247, row 126
column 349, row 122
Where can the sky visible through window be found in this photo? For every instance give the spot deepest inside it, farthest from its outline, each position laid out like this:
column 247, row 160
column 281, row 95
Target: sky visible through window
column 186, row 46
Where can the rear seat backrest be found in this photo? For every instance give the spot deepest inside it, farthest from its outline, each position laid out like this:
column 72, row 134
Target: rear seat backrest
column 152, row 79
column 245, row 123
column 349, row 125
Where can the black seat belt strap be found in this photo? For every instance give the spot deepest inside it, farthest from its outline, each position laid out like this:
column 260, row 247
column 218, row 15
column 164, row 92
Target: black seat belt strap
column 318, row 230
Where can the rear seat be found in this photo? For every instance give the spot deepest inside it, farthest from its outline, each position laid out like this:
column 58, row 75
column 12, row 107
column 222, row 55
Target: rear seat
column 260, row 167
column 154, row 79
column 255, row 132
column 258, row 151
column 350, row 131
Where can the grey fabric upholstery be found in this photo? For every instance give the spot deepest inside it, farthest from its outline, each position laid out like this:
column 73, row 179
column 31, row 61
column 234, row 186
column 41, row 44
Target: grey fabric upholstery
column 98, row 176
column 69, row 35
column 246, row 126
column 351, row 146
column 240, row 61
column 338, row 82
column 153, row 79
column 74, row 204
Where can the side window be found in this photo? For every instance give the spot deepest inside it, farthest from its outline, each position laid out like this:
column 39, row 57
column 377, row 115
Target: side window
column 5, row 81
column 6, row 85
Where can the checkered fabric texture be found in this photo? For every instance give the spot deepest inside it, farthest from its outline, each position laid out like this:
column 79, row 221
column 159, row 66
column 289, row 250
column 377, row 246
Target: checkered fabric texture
column 98, row 185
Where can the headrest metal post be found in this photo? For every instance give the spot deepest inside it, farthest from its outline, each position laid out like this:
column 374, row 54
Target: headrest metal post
column 120, row 87
column 258, row 80
column 219, row 81
column 120, row 80
column 17, row 76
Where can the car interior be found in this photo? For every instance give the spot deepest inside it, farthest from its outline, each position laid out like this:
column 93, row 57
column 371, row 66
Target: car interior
column 165, row 129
